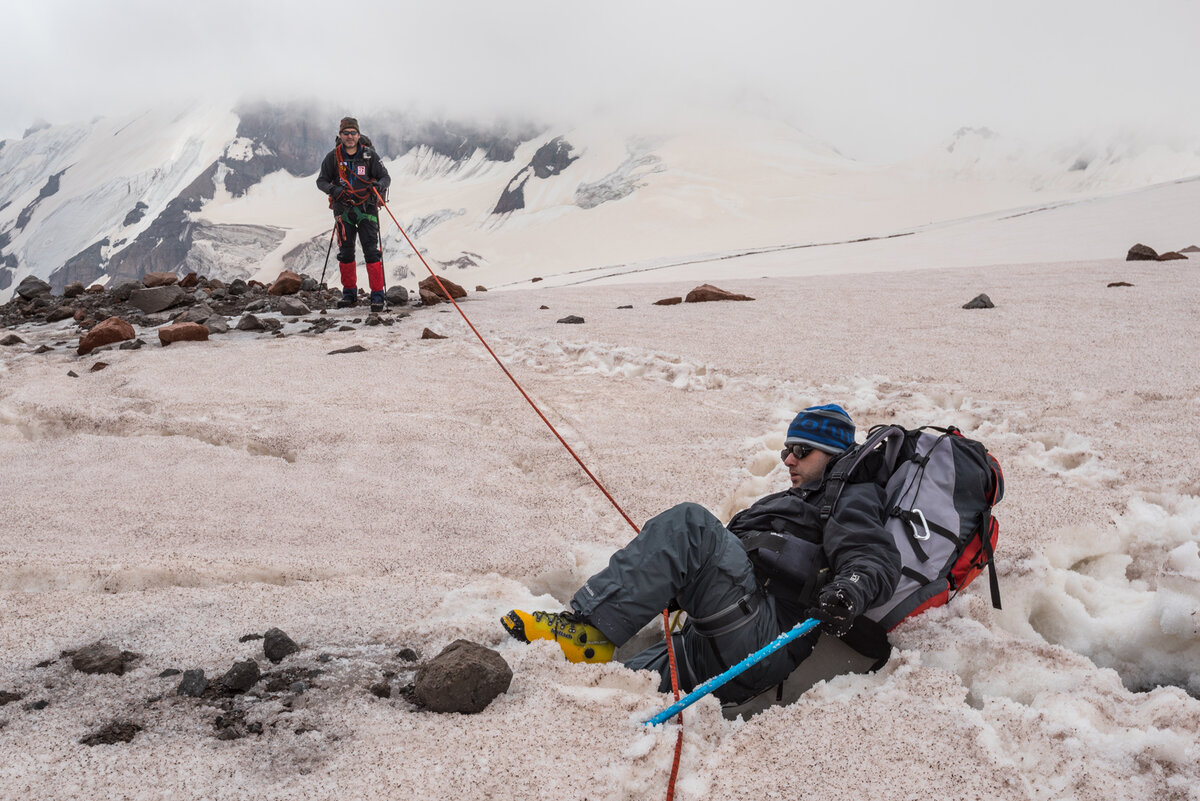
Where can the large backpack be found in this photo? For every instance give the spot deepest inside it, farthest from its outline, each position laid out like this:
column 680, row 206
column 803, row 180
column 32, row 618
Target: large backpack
column 940, row 488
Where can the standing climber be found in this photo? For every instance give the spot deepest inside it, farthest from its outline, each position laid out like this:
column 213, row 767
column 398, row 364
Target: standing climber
column 351, row 174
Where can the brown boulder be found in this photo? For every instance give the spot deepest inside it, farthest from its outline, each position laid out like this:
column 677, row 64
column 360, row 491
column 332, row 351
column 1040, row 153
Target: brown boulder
column 1190, row 249
column 454, row 289
column 73, row 290
column 114, row 329
column 429, row 334
column 189, row 280
column 707, row 292
column 288, row 283
column 182, row 332
column 1170, row 255
column 429, row 298
column 480, row 288
column 668, row 301
column 95, row 289
column 158, row 279
column 465, row 677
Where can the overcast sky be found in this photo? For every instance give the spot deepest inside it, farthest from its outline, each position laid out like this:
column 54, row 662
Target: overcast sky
column 877, row 79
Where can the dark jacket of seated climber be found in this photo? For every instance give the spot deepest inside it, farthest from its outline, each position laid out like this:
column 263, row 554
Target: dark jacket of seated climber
column 741, row 585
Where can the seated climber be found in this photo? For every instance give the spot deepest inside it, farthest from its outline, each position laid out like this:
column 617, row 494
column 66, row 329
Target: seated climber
column 742, row 585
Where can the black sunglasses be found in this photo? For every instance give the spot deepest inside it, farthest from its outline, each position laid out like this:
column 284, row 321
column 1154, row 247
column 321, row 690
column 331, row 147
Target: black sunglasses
column 344, row 133
column 799, row 451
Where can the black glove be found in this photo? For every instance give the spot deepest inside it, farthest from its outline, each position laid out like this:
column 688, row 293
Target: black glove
column 338, row 193
column 836, row 610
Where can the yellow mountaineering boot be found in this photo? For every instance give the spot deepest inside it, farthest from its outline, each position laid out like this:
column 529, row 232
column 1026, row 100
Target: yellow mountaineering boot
column 579, row 641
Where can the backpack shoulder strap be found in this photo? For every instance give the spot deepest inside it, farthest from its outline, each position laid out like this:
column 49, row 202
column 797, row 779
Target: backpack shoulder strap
column 887, row 441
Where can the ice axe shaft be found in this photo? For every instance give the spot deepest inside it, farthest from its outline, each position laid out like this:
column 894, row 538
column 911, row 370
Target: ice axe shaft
column 717, row 681
column 328, row 250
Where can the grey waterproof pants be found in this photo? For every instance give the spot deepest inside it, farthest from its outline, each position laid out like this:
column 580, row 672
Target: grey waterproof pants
column 685, row 555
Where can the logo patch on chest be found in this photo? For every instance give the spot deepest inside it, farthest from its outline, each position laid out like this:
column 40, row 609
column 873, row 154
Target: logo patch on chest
column 361, row 169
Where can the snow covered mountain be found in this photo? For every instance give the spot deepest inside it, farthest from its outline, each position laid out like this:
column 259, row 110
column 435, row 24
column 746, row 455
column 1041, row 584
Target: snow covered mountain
column 230, row 193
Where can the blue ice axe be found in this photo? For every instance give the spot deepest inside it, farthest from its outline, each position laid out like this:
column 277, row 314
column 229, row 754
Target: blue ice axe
column 716, row 681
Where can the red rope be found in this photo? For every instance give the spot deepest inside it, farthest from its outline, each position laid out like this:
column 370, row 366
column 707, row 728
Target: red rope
column 575, row 456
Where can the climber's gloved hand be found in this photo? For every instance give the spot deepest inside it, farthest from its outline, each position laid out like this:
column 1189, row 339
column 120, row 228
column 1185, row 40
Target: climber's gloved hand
column 836, row 609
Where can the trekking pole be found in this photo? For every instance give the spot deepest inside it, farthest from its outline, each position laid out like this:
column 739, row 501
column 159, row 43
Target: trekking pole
column 328, row 250
column 716, row 681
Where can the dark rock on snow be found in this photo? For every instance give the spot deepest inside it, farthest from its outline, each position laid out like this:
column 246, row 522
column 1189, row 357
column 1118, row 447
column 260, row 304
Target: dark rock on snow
column 1140, row 252
column 12, row 339
column 100, row 657
column 241, row 677
column 1120, row 283
column 288, row 283
column 668, row 302
column 465, row 677
column 351, row 349
column 430, row 334
column 277, row 645
column 31, row 287
column 431, row 285
column 571, row 319
column 112, row 330
column 193, row 684
column 156, row 299
column 118, row 731
column 396, row 295
column 979, row 302
column 182, row 332
column 1171, row 256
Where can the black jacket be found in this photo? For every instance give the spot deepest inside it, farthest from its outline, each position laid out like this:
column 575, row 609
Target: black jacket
column 852, row 541
column 361, row 169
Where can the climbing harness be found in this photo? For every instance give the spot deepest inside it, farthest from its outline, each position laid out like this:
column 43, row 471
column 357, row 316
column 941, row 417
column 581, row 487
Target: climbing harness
column 665, row 614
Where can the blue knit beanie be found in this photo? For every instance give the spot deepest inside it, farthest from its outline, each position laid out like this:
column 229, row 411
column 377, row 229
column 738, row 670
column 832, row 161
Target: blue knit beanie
column 827, row 428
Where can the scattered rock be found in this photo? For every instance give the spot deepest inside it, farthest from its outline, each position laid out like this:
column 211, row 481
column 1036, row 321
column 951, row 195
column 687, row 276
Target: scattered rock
column 36, row 706
column 351, row 349
column 74, row 290
column 707, row 292
column 627, row 307
column 535, row 280
column 151, row 280
column 193, row 684
column 571, row 319
column 288, row 283
column 1140, row 252
column 346, row 328
column 249, row 637
column 134, row 345
column 182, row 332
column 1171, row 255
column 407, row 655
column 237, row 287
column 429, row 298
column 396, row 295
column 197, row 314
column 156, row 299
column 381, row 690
column 430, row 334
column 292, row 307
column 465, row 677
column 432, row 285
column 190, row 280
column 166, row 674
column 1190, row 249
column 217, row 324
column 98, row 366
column 8, row 698
column 277, row 645
column 12, row 339
column 31, row 287
column 124, row 290
column 241, row 677
column 668, row 302
column 118, row 731
column 980, row 301
column 543, row 307
column 100, row 657
column 111, row 331
column 95, row 289
column 61, row 313
column 1120, row 283
column 43, row 349
column 250, row 323
column 480, row 288
column 373, row 319
column 73, row 374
